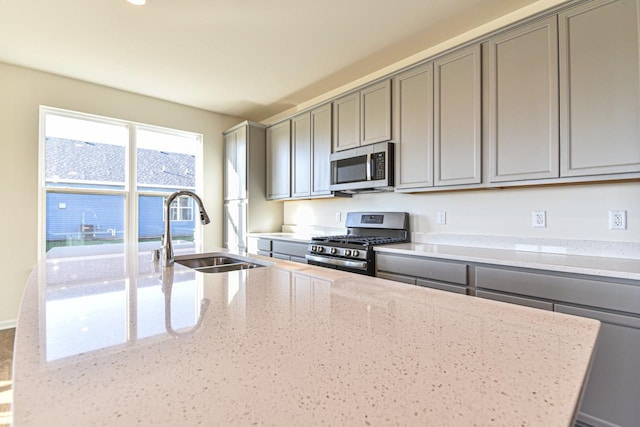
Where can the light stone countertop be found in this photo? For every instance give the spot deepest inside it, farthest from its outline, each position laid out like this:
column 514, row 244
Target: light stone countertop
column 605, row 266
column 99, row 343
column 619, row 268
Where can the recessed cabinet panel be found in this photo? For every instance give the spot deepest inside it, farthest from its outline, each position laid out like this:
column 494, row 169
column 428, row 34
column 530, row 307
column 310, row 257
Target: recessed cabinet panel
column 457, row 120
column 611, row 394
column 375, row 110
column 346, row 121
column 413, row 127
column 301, row 156
column 321, row 146
column 523, row 103
column 600, row 88
column 278, row 161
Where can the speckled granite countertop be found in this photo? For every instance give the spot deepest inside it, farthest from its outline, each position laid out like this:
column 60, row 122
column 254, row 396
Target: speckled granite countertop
column 579, row 264
column 606, row 266
column 99, row 343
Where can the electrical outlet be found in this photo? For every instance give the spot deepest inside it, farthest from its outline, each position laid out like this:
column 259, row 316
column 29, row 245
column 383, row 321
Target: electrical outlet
column 539, row 219
column 338, row 217
column 441, row 218
column 617, row 220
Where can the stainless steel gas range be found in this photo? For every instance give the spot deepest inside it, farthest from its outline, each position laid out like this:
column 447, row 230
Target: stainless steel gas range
column 354, row 251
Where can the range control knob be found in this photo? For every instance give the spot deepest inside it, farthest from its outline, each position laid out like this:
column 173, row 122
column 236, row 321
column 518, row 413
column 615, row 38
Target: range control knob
column 355, row 252
column 333, row 251
column 347, row 252
column 320, row 248
column 314, row 248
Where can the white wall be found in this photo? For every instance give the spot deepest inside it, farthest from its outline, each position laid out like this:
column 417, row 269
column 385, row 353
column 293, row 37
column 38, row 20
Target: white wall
column 22, row 91
column 573, row 211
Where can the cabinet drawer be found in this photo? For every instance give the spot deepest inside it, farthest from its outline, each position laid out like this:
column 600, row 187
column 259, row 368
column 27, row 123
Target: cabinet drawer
column 264, row 253
column 423, row 267
column 442, row 286
column 397, row 278
column 264, row 245
column 281, row 256
column 289, row 248
column 515, row 300
column 576, row 290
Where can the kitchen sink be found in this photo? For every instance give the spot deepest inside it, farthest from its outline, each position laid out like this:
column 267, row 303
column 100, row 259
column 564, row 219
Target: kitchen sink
column 219, row 262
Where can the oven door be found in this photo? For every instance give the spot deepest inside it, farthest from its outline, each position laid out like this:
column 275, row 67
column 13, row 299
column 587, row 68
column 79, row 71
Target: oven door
column 352, row 266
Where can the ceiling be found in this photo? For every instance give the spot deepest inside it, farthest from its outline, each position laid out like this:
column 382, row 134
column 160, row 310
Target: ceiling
column 247, row 58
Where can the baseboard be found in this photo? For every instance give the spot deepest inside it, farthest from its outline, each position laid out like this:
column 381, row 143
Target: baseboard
column 8, row 324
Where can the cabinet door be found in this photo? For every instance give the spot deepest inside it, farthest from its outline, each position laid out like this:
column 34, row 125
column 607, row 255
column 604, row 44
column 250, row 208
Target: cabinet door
column 523, row 103
column 600, row 88
column 457, row 118
column 301, row 155
column 235, row 226
column 278, row 161
column 413, row 127
column 235, row 165
column 613, row 389
column 346, row 122
column 321, row 150
column 375, row 113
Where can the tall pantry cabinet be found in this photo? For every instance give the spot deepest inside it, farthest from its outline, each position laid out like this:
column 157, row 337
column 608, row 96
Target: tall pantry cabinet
column 246, row 209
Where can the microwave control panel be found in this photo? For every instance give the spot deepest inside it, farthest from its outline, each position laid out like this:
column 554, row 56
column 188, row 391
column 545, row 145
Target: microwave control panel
column 379, row 163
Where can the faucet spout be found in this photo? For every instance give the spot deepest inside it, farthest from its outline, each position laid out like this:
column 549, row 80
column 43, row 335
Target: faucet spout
column 167, row 247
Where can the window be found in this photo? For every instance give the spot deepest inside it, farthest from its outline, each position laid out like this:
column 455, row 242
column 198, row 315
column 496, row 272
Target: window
column 104, row 181
column 181, row 209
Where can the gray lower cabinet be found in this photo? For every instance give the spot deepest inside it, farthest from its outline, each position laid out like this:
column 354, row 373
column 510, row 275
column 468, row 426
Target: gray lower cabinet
column 612, row 395
column 522, row 93
column 600, row 88
column 283, row 249
column 444, row 275
column 613, row 389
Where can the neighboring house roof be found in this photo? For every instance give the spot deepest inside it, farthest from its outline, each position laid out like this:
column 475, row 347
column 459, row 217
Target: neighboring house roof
column 67, row 159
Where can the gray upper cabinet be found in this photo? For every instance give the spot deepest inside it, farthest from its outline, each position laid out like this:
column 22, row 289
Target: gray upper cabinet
column 375, row 113
column 363, row 117
column 320, row 150
column 311, row 149
column 600, row 88
column 301, row 155
column 346, row 122
column 235, row 164
column 522, row 90
column 278, row 161
column 437, row 122
column 413, row 127
column 457, row 118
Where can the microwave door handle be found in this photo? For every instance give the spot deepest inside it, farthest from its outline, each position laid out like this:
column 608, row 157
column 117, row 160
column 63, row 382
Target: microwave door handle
column 369, row 166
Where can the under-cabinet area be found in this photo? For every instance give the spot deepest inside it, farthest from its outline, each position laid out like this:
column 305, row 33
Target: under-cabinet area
column 614, row 383
column 553, row 99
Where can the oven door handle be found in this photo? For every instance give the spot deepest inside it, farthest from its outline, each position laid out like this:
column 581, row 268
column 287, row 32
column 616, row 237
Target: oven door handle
column 362, row 265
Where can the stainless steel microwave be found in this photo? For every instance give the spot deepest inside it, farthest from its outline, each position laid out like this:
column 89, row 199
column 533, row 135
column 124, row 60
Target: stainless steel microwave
column 368, row 168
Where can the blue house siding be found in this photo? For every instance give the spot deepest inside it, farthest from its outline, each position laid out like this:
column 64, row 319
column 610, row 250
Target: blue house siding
column 103, row 217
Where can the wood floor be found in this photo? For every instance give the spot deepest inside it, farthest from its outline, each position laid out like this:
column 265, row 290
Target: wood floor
column 6, row 353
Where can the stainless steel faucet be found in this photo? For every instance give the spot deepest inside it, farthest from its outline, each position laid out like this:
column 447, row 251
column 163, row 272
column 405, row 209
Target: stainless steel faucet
column 167, row 248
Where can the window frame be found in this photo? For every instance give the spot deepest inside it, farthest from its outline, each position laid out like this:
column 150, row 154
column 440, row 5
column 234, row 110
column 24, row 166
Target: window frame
column 131, row 190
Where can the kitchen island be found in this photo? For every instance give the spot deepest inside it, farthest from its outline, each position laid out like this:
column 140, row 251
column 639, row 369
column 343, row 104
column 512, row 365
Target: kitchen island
column 115, row 339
